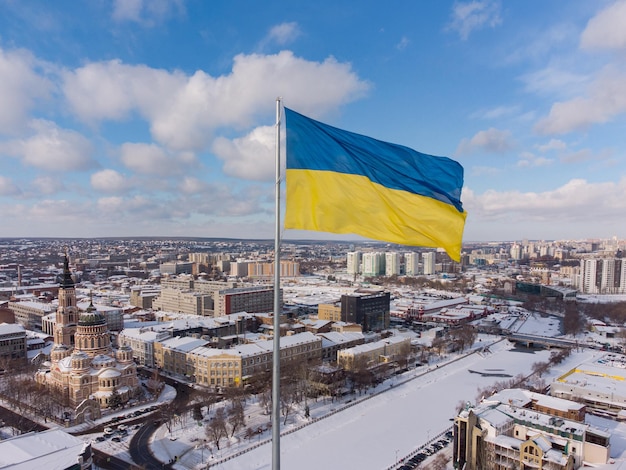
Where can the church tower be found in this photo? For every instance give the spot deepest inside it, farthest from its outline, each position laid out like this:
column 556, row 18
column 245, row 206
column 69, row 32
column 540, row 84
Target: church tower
column 67, row 312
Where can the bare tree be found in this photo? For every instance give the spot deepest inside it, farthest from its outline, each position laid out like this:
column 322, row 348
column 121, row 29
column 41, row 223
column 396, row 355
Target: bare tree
column 215, row 429
column 236, row 416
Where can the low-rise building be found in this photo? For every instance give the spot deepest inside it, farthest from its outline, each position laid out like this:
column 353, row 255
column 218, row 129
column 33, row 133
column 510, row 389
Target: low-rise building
column 370, row 355
column 13, row 345
column 51, row 449
column 599, row 383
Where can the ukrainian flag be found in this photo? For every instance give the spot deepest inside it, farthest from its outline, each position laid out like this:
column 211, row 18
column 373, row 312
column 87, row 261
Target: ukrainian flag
column 342, row 182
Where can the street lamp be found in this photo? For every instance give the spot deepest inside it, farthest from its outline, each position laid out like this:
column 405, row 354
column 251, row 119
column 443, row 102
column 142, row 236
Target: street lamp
column 397, row 450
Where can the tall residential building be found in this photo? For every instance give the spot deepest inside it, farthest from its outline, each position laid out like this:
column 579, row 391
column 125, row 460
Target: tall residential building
column 428, row 260
column 353, row 262
column 373, row 264
column 392, row 263
column 602, row 276
column 516, row 252
column 411, row 264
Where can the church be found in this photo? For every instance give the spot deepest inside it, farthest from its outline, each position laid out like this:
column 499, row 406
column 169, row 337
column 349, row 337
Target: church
column 84, row 368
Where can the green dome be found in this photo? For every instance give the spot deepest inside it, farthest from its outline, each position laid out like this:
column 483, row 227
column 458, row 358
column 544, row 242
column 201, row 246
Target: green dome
column 91, row 318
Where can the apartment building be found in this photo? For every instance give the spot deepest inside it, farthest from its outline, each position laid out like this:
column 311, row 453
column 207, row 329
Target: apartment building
column 191, row 303
column 12, row 342
column 517, row 428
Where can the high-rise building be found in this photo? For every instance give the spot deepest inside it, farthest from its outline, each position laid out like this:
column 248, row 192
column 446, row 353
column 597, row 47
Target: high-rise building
column 392, row 263
column 411, row 264
column 353, row 262
column 602, row 276
column 373, row 264
column 428, row 260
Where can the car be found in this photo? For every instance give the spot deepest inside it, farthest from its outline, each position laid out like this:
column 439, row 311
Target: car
column 122, row 427
column 108, row 431
column 101, row 438
column 117, row 439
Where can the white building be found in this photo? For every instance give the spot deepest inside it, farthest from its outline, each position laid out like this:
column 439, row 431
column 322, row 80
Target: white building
column 373, row 264
column 411, row 263
column 392, row 264
column 353, row 262
column 428, row 260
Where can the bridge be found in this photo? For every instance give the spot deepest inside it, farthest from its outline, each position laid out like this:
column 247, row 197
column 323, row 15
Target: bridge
column 542, row 341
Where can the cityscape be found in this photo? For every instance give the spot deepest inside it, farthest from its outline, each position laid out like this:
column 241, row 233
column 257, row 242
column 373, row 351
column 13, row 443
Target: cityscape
column 155, row 352
column 336, row 235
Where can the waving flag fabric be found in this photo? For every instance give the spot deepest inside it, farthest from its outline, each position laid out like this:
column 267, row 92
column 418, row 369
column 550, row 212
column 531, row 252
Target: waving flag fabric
column 342, row 182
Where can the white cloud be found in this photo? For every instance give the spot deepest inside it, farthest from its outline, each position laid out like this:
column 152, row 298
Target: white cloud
column 554, row 80
column 109, row 181
column 607, row 29
column 251, row 157
column 491, row 141
column 191, row 185
column 577, row 200
column 150, row 159
column 605, row 100
column 184, row 111
column 52, row 148
column 8, row 187
column 495, row 113
column 528, row 159
column 284, row 33
column 403, row 44
column 112, row 90
column 48, row 185
column 554, row 144
column 472, row 16
column 20, row 87
column 146, row 12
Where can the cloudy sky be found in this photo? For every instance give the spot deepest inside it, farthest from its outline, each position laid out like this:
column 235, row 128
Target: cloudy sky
column 155, row 117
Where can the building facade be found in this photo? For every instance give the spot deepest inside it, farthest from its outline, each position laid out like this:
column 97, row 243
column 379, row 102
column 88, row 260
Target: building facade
column 370, row 310
column 517, row 428
column 13, row 345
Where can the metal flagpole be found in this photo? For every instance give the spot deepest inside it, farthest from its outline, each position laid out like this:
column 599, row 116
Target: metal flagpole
column 276, row 352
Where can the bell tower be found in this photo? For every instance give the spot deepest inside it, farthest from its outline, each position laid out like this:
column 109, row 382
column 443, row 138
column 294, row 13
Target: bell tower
column 67, row 312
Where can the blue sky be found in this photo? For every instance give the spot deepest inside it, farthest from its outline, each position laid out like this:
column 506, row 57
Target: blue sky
column 155, row 118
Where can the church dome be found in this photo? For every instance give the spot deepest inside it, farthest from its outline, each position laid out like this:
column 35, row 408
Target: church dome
column 91, row 317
